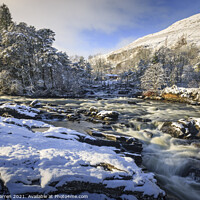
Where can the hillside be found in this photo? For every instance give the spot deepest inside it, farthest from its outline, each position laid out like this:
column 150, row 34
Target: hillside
column 183, row 32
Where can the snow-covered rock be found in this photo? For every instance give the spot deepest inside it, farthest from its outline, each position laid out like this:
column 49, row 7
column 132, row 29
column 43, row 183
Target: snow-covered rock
column 181, row 94
column 19, row 111
column 183, row 129
column 110, row 114
column 57, row 162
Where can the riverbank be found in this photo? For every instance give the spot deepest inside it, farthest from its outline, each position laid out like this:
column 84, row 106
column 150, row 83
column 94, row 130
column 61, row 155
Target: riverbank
column 63, row 161
column 175, row 94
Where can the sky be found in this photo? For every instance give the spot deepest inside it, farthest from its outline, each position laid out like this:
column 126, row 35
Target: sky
column 88, row 27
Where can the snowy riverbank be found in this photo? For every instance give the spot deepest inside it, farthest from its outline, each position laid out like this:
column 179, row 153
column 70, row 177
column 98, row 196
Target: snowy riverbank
column 176, row 94
column 63, row 161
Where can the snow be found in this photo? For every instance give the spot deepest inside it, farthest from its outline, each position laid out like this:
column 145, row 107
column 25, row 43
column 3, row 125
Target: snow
column 25, row 123
column 21, row 109
column 177, row 125
column 31, row 161
column 112, row 75
column 184, row 92
column 196, row 120
column 105, row 113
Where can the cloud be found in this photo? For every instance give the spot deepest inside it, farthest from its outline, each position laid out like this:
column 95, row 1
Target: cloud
column 121, row 43
column 70, row 18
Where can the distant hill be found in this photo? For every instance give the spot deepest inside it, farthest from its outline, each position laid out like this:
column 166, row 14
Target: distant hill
column 185, row 32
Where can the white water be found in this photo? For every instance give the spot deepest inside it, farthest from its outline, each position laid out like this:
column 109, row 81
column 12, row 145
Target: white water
column 169, row 158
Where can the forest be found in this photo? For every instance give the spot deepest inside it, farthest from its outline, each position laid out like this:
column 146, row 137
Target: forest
column 30, row 65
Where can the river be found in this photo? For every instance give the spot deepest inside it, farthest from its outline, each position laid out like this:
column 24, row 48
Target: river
column 169, row 158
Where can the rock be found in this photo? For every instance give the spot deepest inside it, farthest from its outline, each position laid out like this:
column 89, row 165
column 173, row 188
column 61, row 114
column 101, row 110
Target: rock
column 111, row 114
column 132, row 148
column 102, row 190
column 143, row 120
column 172, row 130
column 95, row 133
column 54, row 115
column 69, row 110
column 90, row 119
column 4, row 190
column 72, row 117
column 19, row 111
column 93, row 109
column 100, row 142
column 51, row 104
column 127, row 145
column 183, row 129
column 194, row 173
column 137, row 157
column 123, row 92
column 81, row 111
column 132, row 102
column 72, row 163
column 107, row 119
column 7, row 115
column 35, row 104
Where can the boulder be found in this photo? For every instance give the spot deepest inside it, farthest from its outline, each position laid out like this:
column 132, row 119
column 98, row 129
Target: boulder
column 132, row 102
column 183, row 129
column 111, row 114
column 93, row 109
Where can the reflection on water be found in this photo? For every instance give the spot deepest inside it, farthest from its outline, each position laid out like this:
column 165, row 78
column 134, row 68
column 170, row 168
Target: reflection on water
column 175, row 162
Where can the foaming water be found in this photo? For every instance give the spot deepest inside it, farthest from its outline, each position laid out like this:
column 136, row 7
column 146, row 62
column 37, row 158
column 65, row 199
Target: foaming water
column 173, row 162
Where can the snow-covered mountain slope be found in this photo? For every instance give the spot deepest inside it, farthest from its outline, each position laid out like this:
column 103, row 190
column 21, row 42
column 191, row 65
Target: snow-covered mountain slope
column 183, row 32
column 188, row 28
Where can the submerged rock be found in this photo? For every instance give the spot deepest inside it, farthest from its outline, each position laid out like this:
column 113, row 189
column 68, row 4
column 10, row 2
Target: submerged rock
column 132, row 102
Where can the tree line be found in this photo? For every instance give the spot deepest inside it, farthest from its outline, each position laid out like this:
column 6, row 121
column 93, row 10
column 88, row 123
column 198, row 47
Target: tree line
column 154, row 70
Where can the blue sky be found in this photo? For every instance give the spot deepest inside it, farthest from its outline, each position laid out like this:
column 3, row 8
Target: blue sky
column 87, row 27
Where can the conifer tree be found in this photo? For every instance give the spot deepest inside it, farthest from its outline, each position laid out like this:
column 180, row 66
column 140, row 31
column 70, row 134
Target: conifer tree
column 5, row 18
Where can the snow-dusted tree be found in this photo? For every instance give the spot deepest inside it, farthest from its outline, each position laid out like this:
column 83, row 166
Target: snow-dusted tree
column 153, row 78
column 18, row 51
column 5, row 17
column 98, row 66
column 29, row 64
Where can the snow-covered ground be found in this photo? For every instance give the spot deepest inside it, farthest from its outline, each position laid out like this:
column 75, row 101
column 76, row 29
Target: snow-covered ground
column 183, row 92
column 46, row 162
